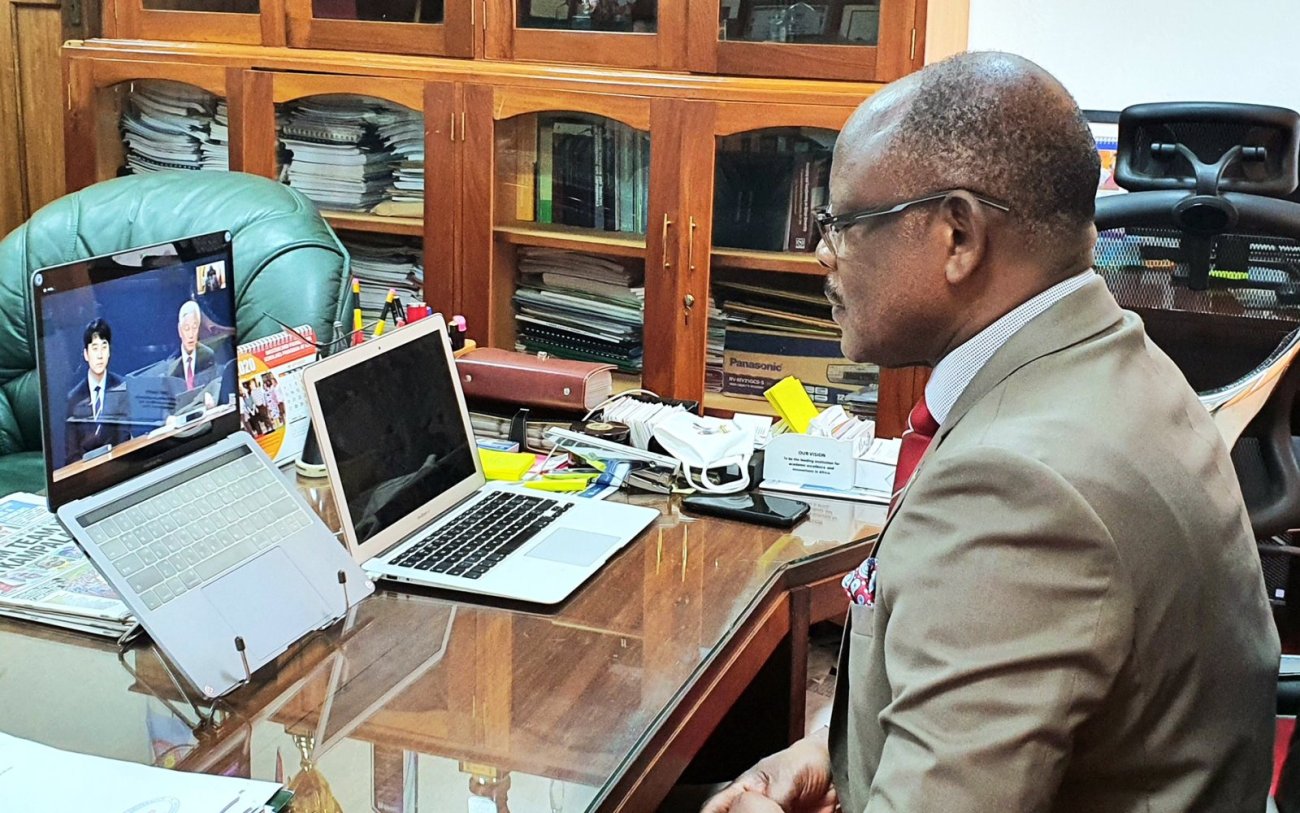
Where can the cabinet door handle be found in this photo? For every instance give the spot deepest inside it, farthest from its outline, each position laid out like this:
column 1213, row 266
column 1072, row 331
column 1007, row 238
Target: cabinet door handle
column 462, row 125
column 453, row 125
column 690, row 248
column 668, row 264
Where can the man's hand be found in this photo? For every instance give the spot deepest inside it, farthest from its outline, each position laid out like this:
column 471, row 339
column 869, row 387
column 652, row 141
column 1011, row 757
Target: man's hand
column 797, row 779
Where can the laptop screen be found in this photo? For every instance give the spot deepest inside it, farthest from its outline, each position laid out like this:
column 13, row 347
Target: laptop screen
column 398, row 436
column 135, row 353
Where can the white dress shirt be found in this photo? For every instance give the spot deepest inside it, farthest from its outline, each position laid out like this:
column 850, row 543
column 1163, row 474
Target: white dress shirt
column 955, row 371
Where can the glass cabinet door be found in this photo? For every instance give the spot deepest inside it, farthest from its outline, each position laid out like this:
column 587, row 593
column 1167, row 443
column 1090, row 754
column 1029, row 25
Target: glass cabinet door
column 623, row 33
column 127, row 118
column 557, row 206
column 424, row 27
column 364, row 150
column 863, row 40
column 768, row 314
column 248, row 22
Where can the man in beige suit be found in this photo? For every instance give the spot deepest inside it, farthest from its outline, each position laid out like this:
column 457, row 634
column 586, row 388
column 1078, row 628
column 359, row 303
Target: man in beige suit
column 1065, row 611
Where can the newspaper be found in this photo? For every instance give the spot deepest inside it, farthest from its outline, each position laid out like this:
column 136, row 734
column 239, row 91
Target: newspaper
column 45, row 577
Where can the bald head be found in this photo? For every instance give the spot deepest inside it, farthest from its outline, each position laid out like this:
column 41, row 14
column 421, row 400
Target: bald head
column 992, row 123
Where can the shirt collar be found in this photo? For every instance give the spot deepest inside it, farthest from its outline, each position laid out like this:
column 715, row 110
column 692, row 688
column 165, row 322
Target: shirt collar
column 955, row 371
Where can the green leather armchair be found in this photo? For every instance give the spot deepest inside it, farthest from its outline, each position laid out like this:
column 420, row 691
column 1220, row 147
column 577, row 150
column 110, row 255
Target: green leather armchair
column 288, row 263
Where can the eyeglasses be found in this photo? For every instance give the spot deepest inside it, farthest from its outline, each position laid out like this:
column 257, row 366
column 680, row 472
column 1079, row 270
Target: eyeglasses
column 832, row 227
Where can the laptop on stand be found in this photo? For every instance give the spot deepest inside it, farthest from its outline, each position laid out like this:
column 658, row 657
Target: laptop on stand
column 218, row 556
column 415, row 507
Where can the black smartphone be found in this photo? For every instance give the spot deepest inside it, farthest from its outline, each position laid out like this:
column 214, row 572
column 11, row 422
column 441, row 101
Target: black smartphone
column 757, row 508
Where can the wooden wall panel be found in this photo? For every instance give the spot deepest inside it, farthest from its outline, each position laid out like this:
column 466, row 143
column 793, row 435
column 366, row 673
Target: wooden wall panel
column 39, row 33
column 32, row 101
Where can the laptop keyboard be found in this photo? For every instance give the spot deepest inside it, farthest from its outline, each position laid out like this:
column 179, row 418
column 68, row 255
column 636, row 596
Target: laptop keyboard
column 189, row 534
column 472, row 543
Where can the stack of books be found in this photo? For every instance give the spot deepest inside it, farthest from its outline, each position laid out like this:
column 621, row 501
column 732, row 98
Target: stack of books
column 334, row 153
column 766, row 187
column 382, row 262
column 578, row 306
column 587, row 171
column 404, row 135
column 171, row 125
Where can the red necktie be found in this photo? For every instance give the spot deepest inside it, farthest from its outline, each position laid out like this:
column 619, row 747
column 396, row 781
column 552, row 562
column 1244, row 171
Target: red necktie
column 921, row 428
column 189, row 374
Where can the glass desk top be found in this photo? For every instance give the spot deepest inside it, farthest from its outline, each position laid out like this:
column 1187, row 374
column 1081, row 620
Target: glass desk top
column 422, row 701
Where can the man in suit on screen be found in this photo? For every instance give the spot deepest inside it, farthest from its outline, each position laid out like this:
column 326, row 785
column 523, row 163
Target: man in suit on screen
column 194, row 359
column 94, row 419
column 1064, row 610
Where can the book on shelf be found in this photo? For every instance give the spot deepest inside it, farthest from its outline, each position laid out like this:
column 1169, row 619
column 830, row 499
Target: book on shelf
column 170, row 125
column 353, row 153
column 45, row 578
column 383, row 262
column 766, row 185
column 579, row 306
column 587, row 172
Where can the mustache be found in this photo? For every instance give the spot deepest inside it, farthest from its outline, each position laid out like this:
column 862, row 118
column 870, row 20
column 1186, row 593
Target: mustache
column 832, row 292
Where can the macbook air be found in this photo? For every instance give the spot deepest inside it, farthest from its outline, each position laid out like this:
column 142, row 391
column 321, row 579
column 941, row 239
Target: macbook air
column 218, row 556
column 412, row 499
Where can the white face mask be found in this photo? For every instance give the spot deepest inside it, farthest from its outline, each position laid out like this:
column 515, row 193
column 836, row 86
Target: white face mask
column 707, row 443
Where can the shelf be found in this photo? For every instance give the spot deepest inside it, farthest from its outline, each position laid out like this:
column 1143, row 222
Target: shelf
column 715, row 402
column 572, row 238
column 787, row 261
column 360, row 221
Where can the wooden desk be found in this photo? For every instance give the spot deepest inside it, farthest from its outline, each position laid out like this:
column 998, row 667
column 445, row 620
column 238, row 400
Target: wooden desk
column 420, row 701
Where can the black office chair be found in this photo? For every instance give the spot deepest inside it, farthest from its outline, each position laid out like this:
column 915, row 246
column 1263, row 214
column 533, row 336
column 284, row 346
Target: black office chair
column 1207, row 250
column 1205, row 246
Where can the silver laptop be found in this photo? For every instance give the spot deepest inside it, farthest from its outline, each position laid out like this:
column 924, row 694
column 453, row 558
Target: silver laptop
column 412, row 499
column 213, row 550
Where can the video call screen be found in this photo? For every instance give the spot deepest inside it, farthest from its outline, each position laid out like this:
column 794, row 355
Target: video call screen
column 136, row 350
column 396, row 431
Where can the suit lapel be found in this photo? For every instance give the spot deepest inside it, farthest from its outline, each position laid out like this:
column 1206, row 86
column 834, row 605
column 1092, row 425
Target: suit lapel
column 1083, row 314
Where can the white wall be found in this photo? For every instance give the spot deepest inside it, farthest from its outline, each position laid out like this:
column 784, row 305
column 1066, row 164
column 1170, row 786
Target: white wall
column 1113, row 53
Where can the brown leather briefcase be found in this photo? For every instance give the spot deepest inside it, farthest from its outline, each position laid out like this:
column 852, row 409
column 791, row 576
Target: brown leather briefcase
column 534, row 381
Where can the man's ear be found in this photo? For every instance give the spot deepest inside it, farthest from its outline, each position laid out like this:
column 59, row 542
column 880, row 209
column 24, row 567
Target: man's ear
column 964, row 225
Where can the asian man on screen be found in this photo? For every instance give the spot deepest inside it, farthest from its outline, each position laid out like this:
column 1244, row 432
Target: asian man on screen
column 92, row 420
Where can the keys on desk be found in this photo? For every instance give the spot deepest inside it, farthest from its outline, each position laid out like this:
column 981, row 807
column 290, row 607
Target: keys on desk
column 178, row 540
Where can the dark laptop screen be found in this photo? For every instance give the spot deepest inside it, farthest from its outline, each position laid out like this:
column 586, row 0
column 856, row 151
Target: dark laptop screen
column 396, row 430
column 136, row 360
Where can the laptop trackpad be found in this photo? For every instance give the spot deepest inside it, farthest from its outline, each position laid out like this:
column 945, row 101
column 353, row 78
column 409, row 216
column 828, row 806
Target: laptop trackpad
column 574, row 547
column 268, row 602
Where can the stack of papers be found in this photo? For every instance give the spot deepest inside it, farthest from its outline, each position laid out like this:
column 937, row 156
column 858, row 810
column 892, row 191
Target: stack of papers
column 336, row 155
column 578, row 306
column 216, row 147
column 171, row 125
column 44, row 576
column 36, row 777
column 714, row 369
column 382, row 262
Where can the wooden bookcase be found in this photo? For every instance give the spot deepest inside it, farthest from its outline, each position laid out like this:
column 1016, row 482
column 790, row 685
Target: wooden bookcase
column 480, row 122
column 818, row 40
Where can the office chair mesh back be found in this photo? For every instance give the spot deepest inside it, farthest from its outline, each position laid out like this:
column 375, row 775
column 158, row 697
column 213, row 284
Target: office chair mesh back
column 1204, row 249
column 1152, row 274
